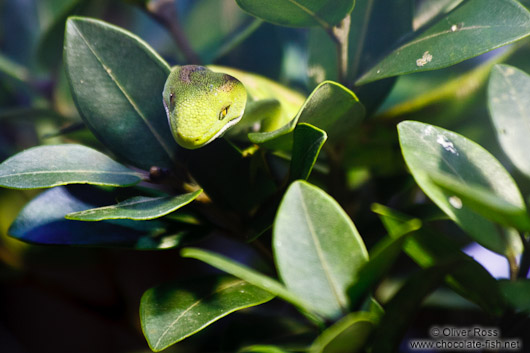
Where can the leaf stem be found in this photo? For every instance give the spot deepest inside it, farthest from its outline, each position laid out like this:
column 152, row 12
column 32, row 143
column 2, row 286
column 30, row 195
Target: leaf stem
column 165, row 13
column 340, row 34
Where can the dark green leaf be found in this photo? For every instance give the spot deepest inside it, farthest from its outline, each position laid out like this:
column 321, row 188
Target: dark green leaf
column 42, row 222
column 48, row 166
column 317, row 248
column 307, row 143
column 516, row 293
column 262, row 349
column 454, row 38
column 427, row 248
column 172, row 312
column 330, row 107
column 430, row 150
column 347, row 335
column 138, row 208
column 382, row 258
column 509, row 105
column 299, row 13
column 485, row 203
column 117, row 81
column 401, row 309
column 251, row 276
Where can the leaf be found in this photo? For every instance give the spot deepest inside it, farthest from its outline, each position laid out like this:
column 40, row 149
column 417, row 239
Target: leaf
column 382, row 258
column 262, row 349
column 430, row 150
column 347, row 335
column 401, row 309
column 139, row 208
column 485, row 203
column 516, row 293
column 454, row 38
column 299, row 13
column 48, row 166
column 251, row 276
column 509, row 105
column 330, row 107
column 307, row 143
column 174, row 311
column 120, row 100
column 42, row 222
column 317, row 248
column 427, row 248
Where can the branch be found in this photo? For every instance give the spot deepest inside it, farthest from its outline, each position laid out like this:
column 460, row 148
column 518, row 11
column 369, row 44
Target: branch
column 165, row 13
column 340, row 34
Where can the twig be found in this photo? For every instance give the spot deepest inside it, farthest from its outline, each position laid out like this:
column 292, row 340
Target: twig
column 165, row 12
column 340, row 34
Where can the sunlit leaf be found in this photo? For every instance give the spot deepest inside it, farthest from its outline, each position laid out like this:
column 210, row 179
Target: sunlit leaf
column 509, row 104
column 120, row 99
column 48, row 166
column 454, row 38
column 430, row 150
column 317, row 248
column 174, row 311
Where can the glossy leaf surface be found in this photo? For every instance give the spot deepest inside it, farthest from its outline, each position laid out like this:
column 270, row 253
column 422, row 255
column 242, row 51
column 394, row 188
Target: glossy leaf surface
column 48, row 166
column 172, row 312
column 347, row 335
column 430, row 150
column 251, row 276
column 307, row 143
column 137, row 208
column 117, row 80
column 42, row 221
column 330, row 107
column 454, row 38
column 299, row 13
column 509, row 105
column 317, row 248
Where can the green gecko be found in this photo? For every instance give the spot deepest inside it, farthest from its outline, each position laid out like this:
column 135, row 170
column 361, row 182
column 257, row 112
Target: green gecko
column 202, row 104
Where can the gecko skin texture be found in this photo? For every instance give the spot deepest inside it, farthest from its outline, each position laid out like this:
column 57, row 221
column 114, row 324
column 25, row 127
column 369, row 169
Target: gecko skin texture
column 201, row 104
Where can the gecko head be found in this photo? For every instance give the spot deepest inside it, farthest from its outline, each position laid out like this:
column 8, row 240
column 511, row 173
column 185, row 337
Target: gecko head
column 201, row 104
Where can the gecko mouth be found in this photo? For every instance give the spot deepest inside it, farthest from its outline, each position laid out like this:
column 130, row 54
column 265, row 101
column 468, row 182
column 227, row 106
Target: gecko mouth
column 224, row 129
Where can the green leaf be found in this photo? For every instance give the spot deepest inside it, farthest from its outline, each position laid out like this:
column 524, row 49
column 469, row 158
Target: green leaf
column 307, row 143
column 401, row 309
column 139, row 208
column 299, row 13
column 251, row 276
column 262, row 349
column 172, row 312
column 454, row 38
column 42, row 221
column 48, row 166
column 330, row 107
column 120, row 100
column 485, row 203
column 347, row 335
column 317, row 248
column 427, row 248
column 509, row 105
column 516, row 293
column 431, row 151
column 382, row 258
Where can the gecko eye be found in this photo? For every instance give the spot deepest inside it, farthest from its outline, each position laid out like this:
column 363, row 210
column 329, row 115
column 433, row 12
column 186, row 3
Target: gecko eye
column 223, row 112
